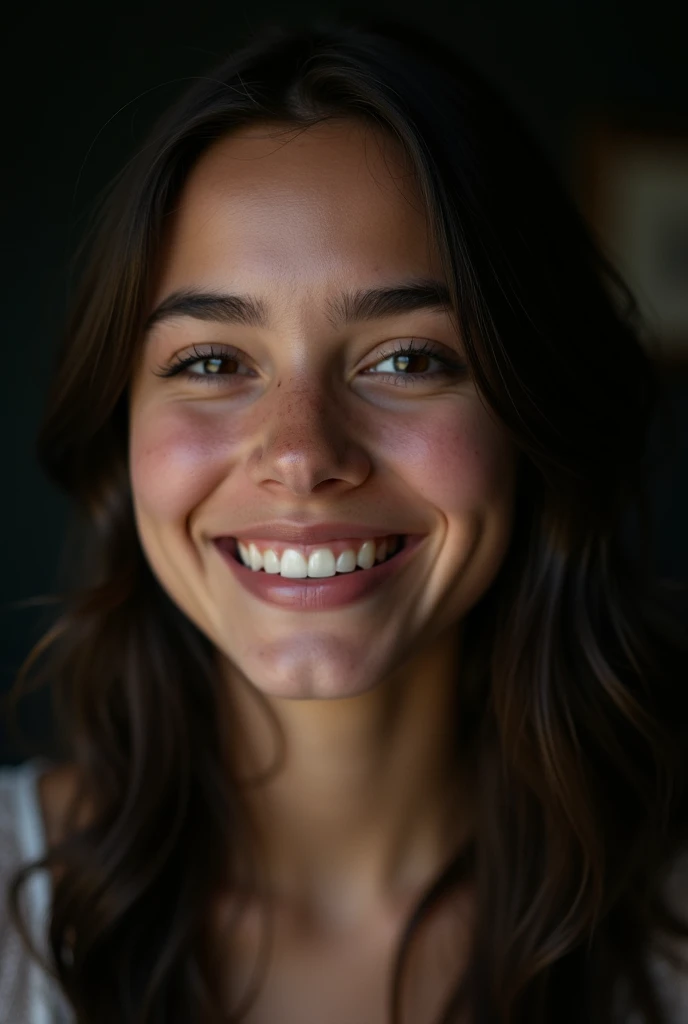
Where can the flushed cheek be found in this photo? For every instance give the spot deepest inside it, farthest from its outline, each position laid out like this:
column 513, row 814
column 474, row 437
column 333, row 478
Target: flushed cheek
column 457, row 457
column 174, row 459
column 454, row 455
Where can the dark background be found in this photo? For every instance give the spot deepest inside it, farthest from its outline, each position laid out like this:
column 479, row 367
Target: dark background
column 80, row 86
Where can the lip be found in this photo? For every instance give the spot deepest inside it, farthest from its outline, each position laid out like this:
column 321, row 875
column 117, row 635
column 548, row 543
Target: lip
column 312, row 594
column 318, row 533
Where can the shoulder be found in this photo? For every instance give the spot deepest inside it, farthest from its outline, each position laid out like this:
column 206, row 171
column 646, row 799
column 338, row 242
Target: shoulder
column 21, row 841
column 33, row 796
column 21, row 824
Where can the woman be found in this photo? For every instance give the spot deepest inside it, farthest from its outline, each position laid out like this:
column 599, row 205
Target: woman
column 367, row 712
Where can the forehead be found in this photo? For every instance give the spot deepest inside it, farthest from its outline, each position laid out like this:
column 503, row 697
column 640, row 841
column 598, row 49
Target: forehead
column 316, row 207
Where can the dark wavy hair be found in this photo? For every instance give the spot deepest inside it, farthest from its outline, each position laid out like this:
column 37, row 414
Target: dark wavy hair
column 572, row 683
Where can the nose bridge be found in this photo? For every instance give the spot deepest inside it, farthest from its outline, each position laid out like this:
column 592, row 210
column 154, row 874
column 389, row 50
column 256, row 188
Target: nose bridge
column 302, row 406
column 305, row 438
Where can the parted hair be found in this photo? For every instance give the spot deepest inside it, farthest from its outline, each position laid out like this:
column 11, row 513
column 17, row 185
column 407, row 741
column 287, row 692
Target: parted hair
column 572, row 683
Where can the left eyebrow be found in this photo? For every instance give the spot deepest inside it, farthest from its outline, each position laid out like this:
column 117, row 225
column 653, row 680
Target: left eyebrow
column 347, row 308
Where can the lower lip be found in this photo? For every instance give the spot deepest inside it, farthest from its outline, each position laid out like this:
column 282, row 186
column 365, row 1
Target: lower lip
column 311, row 594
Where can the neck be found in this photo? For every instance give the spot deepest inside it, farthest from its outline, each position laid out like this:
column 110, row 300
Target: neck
column 368, row 805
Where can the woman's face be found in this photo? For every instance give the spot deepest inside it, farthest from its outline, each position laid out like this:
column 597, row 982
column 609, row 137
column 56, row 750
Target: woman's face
column 306, row 416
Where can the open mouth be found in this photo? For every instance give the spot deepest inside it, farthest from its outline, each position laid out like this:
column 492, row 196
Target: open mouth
column 365, row 558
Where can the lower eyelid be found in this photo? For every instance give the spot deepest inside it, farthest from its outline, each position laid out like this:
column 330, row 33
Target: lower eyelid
column 182, row 368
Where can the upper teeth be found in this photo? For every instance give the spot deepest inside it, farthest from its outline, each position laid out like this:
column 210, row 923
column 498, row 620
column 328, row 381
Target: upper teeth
column 320, row 562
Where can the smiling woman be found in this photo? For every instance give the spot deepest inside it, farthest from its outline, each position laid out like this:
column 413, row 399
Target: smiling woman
column 352, row 412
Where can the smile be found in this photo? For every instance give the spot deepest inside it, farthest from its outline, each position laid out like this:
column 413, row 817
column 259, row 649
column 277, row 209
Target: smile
column 318, row 561
column 332, row 589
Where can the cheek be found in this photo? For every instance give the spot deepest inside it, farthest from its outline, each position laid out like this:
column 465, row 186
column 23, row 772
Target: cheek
column 171, row 458
column 457, row 456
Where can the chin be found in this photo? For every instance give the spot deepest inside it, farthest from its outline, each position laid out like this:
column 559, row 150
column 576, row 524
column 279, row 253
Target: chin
column 314, row 687
column 300, row 669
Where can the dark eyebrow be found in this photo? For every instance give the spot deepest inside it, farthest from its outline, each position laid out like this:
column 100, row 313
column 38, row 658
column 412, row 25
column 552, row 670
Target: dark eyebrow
column 348, row 308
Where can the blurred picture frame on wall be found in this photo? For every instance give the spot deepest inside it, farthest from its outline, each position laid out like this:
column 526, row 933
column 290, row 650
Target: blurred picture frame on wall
column 632, row 179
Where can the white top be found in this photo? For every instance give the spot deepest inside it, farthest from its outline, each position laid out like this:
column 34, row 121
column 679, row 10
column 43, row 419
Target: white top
column 29, row 996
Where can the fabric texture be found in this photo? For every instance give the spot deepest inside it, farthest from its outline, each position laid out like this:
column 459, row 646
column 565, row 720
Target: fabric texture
column 29, row 996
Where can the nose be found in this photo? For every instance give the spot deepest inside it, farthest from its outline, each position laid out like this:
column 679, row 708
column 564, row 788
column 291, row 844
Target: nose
column 306, row 441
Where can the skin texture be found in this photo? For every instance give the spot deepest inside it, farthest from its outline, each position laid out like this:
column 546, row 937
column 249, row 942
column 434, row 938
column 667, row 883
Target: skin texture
column 370, row 802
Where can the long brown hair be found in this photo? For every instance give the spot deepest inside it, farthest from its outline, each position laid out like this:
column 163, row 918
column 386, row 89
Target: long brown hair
column 572, row 684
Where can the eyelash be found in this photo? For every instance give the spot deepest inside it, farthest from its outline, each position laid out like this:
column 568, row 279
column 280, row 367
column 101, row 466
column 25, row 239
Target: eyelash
column 453, row 368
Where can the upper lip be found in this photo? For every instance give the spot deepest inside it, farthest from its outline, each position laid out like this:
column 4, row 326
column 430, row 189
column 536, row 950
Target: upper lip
column 318, row 533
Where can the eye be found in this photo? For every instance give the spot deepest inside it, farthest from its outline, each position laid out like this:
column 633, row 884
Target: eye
column 402, row 358
column 213, row 356
column 406, row 355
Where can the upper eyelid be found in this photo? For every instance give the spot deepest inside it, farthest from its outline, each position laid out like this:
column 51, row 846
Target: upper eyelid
column 452, row 363
column 388, row 348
